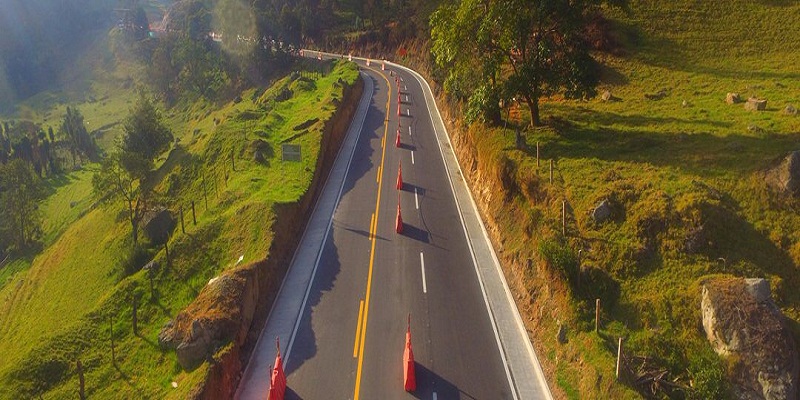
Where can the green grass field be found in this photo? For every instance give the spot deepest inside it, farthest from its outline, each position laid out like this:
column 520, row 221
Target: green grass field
column 669, row 166
column 58, row 310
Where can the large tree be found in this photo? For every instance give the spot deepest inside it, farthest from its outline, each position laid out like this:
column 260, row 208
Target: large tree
column 73, row 129
column 493, row 50
column 20, row 193
column 123, row 174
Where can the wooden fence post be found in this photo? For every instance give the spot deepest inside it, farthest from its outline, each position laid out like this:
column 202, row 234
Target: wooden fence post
column 183, row 227
column 597, row 316
column 81, row 382
column 619, row 356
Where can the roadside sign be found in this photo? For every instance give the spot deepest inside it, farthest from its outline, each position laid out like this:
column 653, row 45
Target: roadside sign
column 291, row 152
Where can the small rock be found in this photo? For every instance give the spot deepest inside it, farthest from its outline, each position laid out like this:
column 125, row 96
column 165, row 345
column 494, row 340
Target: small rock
column 790, row 110
column 562, row 334
column 733, row 98
column 602, row 212
column 685, row 104
column 72, row 204
column 755, row 104
column 607, row 96
column 258, row 157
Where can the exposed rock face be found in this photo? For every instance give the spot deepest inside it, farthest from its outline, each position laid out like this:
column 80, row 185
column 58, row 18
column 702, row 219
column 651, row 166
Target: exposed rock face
column 733, row 98
column 222, row 313
column 741, row 320
column 785, row 178
column 602, row 212
column 754, row 104
column 158, row 225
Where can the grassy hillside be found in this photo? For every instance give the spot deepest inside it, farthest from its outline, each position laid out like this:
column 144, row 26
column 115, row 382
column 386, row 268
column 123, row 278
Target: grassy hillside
column 684, row 172
column 76, row 289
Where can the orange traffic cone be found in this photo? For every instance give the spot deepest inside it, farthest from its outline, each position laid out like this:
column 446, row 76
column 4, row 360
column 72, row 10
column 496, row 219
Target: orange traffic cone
column 277, row 384
column 400, row 177
column 398, row 226
column 397, row 141
column 409, row 373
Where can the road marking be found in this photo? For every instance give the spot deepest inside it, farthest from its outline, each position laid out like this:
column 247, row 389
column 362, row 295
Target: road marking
column 360, row 367
column 358, row 328
column 422, row 266
column 409, row 130
column 416, row 198
column 378, row 178
column 405, row 87
column 401, row 79
column 434, row 395
column 409, row 111
column 412, row 157
column 406, row 98
column 372, row 226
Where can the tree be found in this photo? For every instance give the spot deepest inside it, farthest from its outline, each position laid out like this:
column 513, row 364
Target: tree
column 20, row 192
column 144, row 137
column 115, row 182
column 528, row 49
column 80, row 143
column 122, row 174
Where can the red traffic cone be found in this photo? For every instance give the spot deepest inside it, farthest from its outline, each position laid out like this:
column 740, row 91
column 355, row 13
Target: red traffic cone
column 409, row 373
column 397, row 141
column 400, row 177
column 277, row 384
column 398, row 226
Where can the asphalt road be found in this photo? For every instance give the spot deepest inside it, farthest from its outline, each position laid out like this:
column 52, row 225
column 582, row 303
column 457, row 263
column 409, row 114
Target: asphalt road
column 350, row 339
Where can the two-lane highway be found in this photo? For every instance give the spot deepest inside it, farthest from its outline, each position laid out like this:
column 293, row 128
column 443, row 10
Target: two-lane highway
column 350, row 333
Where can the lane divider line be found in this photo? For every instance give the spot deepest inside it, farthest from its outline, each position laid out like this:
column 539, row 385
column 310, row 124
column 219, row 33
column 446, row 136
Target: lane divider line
column 422, row 266
column 360, row 365
column 378, row 178
column 358, row 328
column 416, row 197
column 412, row 157
column 409, row 130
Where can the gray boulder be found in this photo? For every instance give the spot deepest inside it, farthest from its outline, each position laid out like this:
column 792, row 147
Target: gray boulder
column 158, row 225
column 755, row 104
column 602, row 212
column 785, row 178
column 790, row 110
column 741, row 320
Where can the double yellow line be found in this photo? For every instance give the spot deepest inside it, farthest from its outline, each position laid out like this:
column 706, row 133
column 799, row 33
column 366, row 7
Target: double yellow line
column 363, row 309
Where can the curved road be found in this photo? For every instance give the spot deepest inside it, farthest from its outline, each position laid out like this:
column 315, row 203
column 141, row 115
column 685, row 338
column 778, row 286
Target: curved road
column 364, row 281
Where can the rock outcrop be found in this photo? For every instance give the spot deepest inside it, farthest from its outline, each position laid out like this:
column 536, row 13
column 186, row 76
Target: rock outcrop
column 743, row 324
column 222, row 313
column 785, row 178
column 602, row 212
column 733, row 98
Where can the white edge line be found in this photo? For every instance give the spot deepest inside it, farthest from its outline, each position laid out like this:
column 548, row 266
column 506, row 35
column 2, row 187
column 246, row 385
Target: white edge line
column 422, row 266
column 277, row 296
column 520, row 325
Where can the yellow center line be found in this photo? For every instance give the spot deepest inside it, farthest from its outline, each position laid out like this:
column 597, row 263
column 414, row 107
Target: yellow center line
column 358, row 328
column 372, row 252
column 372, row 226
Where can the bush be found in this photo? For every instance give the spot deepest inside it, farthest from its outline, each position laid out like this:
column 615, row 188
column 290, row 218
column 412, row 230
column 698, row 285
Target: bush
column 136, row 258
column 561, row 257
